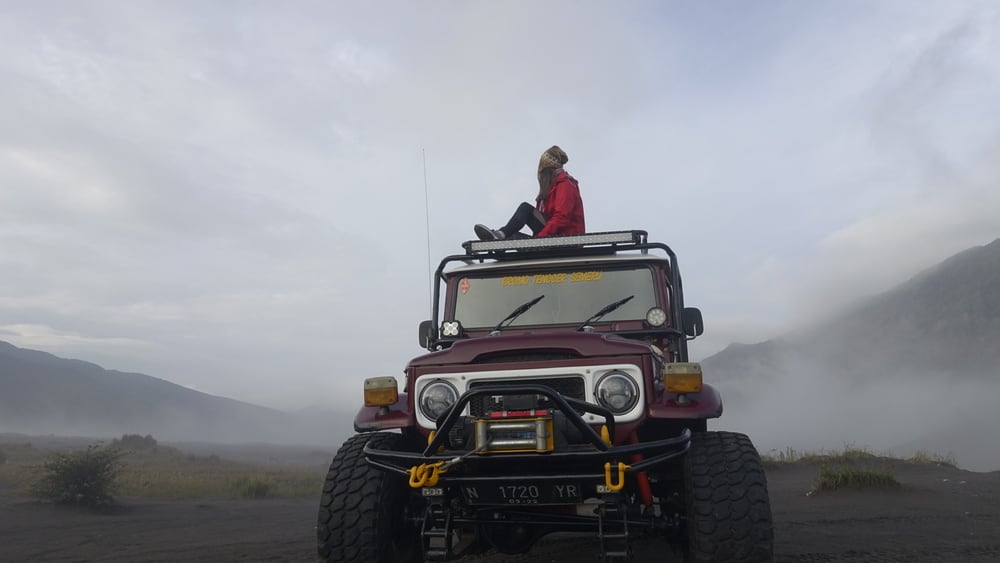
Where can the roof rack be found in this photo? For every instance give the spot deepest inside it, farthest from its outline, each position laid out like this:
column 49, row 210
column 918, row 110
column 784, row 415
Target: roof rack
column 610, row 239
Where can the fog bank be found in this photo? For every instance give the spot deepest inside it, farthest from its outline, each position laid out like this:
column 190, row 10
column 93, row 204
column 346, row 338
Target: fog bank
column 897, row 413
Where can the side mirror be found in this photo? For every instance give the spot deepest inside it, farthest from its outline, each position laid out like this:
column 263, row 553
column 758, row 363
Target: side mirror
column 693, row 323
column 427, row 334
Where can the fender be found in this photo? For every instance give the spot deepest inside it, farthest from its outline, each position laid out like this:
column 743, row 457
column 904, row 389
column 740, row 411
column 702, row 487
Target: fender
column 370, row 419
column 706, row 404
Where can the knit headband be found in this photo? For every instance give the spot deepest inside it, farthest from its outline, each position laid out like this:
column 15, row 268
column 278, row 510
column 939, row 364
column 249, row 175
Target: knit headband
column 554, row 157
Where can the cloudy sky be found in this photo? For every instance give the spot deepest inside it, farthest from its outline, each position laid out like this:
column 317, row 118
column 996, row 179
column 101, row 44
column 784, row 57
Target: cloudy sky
column 230, row 195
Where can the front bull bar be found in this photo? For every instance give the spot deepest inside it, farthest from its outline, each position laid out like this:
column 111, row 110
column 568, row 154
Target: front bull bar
column 602, row 453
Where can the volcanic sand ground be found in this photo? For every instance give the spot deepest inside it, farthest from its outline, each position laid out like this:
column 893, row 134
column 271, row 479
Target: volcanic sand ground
column 941, row 515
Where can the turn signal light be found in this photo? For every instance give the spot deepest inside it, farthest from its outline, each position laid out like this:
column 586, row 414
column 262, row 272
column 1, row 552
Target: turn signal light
column 381, row 391
column 682, row 377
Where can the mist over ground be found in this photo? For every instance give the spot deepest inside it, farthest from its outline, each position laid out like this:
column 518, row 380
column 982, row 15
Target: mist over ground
column 43, row 394
column 914, row 368
column 810, row 408
column 319, row 430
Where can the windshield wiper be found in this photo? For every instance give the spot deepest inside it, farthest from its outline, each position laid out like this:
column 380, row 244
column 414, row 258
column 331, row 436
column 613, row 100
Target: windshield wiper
column 515, row 314
column 605, row 310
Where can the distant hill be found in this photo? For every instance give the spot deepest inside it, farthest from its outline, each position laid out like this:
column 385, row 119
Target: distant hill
column 943, row 321
column 44, row 394
column 916, row 367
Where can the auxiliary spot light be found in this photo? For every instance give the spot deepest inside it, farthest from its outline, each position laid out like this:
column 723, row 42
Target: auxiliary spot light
column 451, row 329
column 656, row 316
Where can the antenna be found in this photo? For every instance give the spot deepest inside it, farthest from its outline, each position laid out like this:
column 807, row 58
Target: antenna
column 427, row 224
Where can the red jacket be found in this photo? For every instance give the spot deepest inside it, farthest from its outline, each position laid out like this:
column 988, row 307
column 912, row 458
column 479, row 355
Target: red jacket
column 563, row 208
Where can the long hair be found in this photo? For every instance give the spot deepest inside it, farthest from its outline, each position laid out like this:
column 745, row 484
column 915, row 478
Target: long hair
column 545, row 177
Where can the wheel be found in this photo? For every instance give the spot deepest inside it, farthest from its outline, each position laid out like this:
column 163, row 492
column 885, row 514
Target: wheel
column 364, row 512
column 726, row 501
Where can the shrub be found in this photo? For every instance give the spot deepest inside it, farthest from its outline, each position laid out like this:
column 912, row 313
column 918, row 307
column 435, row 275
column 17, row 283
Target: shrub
column 86, row 477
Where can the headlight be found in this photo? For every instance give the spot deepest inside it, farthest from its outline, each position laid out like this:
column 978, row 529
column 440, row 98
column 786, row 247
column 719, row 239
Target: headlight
column 656, row 316
column 617, row 392
column 437, row 398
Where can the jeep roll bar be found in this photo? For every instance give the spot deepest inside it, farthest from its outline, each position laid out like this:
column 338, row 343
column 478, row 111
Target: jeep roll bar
column 568, row 246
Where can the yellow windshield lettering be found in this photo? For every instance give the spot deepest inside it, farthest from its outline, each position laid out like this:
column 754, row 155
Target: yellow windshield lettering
column 514, row 280
column 550, row 278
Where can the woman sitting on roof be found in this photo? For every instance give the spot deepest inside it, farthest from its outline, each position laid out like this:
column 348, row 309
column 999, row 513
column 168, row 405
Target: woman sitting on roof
column 558, row 209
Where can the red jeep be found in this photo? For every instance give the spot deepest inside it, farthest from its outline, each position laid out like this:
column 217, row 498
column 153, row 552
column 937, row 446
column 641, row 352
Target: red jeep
column 557, row 397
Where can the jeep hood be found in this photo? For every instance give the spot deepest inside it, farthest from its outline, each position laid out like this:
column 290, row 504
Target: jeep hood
column 580, row 344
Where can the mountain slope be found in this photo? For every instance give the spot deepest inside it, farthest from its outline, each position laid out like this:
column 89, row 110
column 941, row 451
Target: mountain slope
column 42, row 393
column 917, row 367
column 945, row 320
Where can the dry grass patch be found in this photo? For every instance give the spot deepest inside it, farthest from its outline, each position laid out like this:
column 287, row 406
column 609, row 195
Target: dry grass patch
column 20, row 467
column 852, row 467
column 848, row 454
column 166, row 472
column 169, row 473
column 922, row 457
column 834, row 477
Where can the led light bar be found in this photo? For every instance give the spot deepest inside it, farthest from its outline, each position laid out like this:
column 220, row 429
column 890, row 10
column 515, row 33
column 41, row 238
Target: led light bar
column 545, row 243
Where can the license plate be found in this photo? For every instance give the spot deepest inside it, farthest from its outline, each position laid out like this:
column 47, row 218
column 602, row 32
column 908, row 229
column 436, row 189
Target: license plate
column 522, row 494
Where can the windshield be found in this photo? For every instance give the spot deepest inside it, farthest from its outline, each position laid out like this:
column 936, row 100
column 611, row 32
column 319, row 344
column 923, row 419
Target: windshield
column 571, row 296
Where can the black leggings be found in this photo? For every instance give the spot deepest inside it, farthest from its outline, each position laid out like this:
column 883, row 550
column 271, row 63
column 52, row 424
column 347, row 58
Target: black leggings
column 526, row 214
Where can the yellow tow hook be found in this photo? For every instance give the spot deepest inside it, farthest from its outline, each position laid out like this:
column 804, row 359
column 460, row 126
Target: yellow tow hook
column 426, row 474
column 605, row 434
column 612, row 486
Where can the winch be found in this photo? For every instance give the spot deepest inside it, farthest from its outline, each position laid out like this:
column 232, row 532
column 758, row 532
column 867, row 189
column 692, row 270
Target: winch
column 515, row 432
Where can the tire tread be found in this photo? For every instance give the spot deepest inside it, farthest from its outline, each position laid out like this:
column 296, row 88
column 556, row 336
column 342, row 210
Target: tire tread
column 729, row 511
column 350, row 505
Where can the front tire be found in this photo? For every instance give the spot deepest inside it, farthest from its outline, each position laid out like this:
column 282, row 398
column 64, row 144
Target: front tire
column 363, row 513
column 727, row 505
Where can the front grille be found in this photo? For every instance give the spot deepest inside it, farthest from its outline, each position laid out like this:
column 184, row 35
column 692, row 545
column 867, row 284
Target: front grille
column 572, row 387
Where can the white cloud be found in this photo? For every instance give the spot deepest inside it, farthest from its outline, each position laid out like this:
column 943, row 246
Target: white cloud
column 41, row 337
column 245, row 185
column 880, row 251
column 355, row 62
